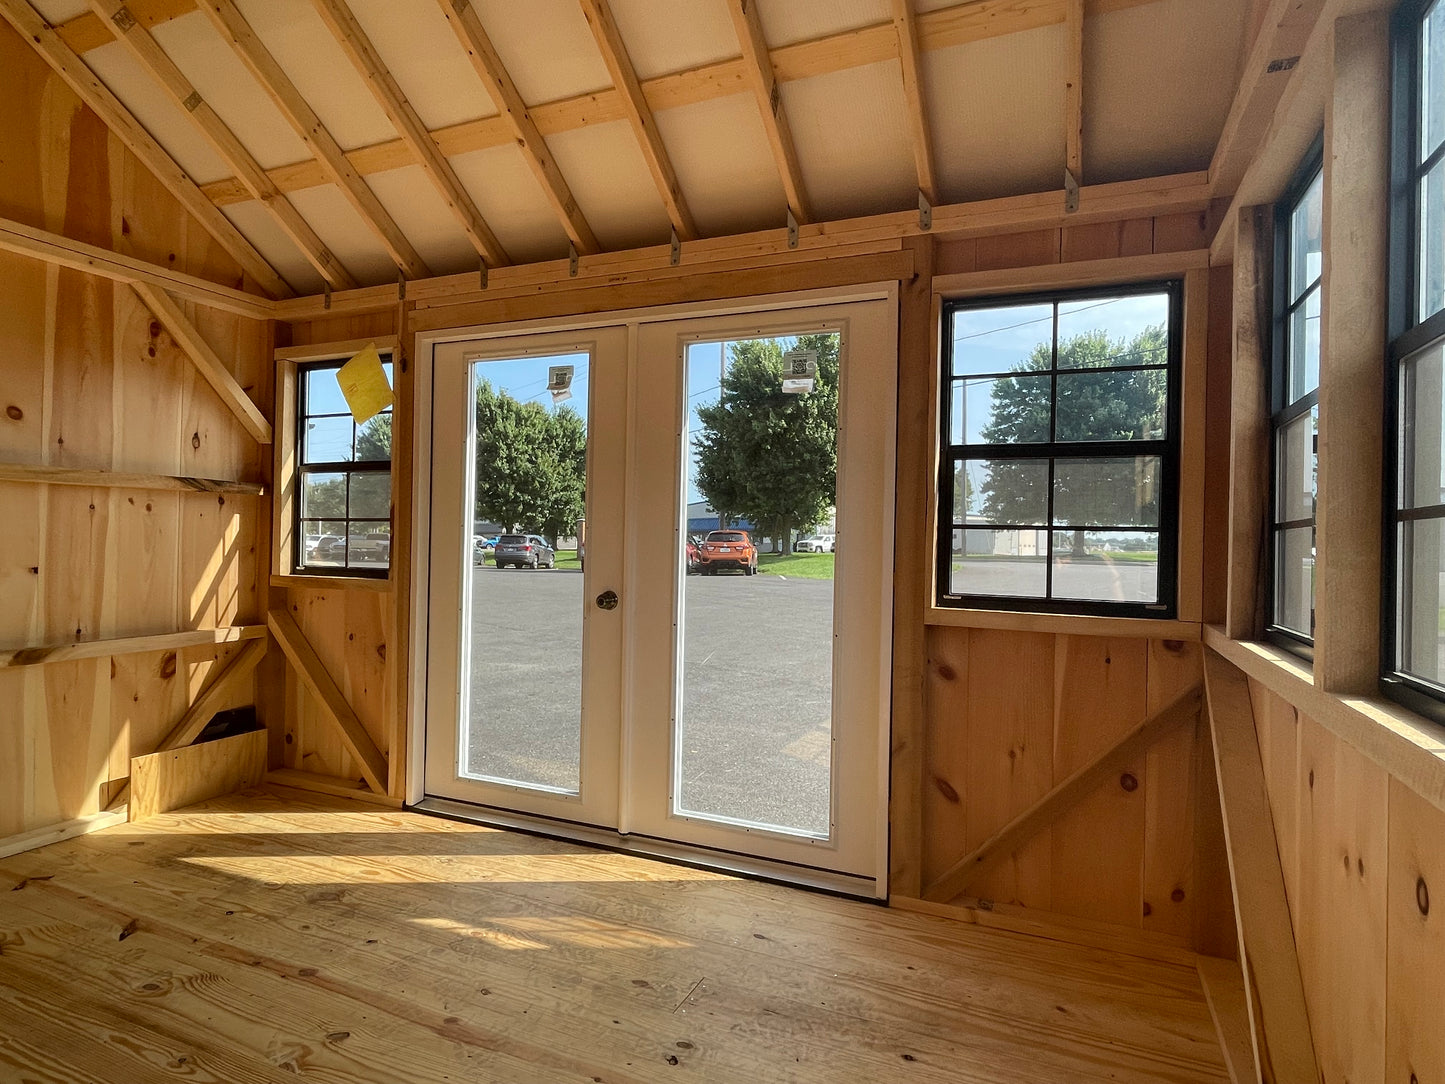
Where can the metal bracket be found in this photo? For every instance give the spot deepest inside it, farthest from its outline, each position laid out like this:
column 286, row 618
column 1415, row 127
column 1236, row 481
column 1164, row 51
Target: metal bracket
column 676, row 257
column 400, row 286
column 326, row 295
column 1071, row 192
column 123, row 19
column 792, row 230
column 482, row 274
column 192, row 101
column 572, row 260
column 925, row 213
column 775, row 99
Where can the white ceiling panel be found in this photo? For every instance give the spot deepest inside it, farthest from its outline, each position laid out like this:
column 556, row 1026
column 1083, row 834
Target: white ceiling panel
column 506, row 192
column 1158, row 82
column 724, row 165
column 612, row 185
column 223, row 81
column 167, row 122
column 788, row 21
column 310, row 56
column 344, row 232
column 663, row 36
column 996, row 112
column 422, row 214
column 561, row 63
column 260, row 228
column 851, row 132
column 426, row 60
column 56, row 12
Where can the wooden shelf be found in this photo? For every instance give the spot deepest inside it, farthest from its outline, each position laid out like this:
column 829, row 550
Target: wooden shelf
column 128, row 645
column 74, row 476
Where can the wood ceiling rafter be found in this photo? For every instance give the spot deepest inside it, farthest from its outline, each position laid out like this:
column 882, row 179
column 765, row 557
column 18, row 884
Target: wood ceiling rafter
column 639, row 115
column 906, row 27
column 473, row 36
column 941, row 29
column 237, row 32
column 763, row 81
column 414, row 135
column 168, row 74
column 1074, row 92
column 141, row 143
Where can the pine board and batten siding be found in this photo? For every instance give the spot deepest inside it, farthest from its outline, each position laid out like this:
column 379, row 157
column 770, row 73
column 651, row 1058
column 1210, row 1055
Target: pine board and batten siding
column 89, row 380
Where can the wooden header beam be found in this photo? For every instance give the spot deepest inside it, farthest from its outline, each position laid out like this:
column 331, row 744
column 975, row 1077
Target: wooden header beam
column 467, row 25
column 763, row 81
column 153, row 58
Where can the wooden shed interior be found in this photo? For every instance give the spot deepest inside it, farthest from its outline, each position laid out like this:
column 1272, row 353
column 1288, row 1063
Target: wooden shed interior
column 1147, row 784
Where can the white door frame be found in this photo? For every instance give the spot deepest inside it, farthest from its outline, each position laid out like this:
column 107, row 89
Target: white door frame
column 423, row 401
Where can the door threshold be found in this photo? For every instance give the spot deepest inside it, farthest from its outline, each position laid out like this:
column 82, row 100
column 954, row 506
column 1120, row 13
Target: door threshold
column 762, row 869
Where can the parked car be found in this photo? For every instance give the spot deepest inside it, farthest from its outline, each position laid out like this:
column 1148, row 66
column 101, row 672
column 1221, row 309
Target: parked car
column 818, row 543
column 693, row 552
column 372, row 547
column 523, row 551
column 728, row 549
column 481, row 547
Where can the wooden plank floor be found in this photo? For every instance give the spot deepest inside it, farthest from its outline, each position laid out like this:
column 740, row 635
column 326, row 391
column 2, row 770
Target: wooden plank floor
column 275, row 934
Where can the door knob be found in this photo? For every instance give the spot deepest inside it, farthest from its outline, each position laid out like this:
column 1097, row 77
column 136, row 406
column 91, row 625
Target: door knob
column 607, row 600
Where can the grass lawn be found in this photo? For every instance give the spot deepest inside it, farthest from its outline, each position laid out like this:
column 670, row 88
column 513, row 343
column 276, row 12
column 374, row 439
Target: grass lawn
column 567, row 559
column 803, row 566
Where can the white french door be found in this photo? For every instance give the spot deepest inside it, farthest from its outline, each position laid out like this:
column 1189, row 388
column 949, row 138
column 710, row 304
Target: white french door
column 737, row 715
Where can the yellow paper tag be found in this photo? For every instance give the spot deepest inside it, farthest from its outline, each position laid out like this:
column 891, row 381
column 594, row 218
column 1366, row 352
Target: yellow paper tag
column 363, row 383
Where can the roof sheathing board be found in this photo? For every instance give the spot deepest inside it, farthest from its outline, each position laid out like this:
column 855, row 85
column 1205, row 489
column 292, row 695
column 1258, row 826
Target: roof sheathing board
column 663, row 36
column 423, row 55
column 996, row 111
column 420, row 212
column 344, row 232
column 870, row 171
column 157, row 112
column 309, row 55
column 217, row 73
column 788, row 21
column 561, row 63
column 609, row 179
column 506, row 192
column 260, row 228
column 1158, row 84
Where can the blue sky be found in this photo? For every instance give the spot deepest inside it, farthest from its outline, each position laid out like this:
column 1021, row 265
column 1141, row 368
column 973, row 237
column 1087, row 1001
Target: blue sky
column 995, row 340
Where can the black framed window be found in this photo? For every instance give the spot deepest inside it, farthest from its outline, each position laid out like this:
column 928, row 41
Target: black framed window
column 1294, row 405
column 1414, row 661
column 1059, row 481
column 343, row 510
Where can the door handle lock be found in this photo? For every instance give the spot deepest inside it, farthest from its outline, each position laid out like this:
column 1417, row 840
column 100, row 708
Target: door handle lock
column 607, row 600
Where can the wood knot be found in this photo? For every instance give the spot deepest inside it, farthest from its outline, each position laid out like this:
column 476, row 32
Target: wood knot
column 1422, row 896
column 307, row 972
column 196, row 441
column 1177, row 895
column 168, row 665
column 155, row 332
column 1148, row 909
column 946, row 789
column 1173, row 646
column 14, row 413
column 946, row 672
column 1129, row 782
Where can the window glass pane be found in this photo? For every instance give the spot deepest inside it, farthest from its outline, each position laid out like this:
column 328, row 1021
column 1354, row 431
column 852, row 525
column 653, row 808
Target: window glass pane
column 999, row 562
column 323, row 496
column 1011, row 410
column 1296, row 485
column 328, row 440
column 1422, row 416
column 1432, row 81
column 1107, row 492
column 1306, row 237
column 368, row 544
column 1304, row 347
column 371, row 495
column 373, row 440
column 1001, row 491
column 1114, row 331
column 955, row 414
column 1421, row 619
column 1003, row 340
column 1108, row 566
column 323, row 543
column 1294, row 580
column 323, row 393
column 1432, row 241
column 1112, row 406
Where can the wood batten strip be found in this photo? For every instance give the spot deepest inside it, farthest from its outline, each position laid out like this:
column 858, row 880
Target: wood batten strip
column 639, row 115
column 763, row 81
column 58, row 833
column 153, row 58
column 128, row 645
column 906, row 28
column 52, row 248
column 319, row 682
column 467, row 25
column 1184, row 709
column 329, row 784
column 414, row 135
column 205, row 360
column 89, row 31
column 79, row 476
column 1223, row 984
column 1266, row 934
column 232, row 27
column 139, row 142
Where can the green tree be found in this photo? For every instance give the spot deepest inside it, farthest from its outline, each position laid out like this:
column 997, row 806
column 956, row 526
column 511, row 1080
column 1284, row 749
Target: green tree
column 530, row 464
column 1098, row 405
column 769, row 456
column 373, row 440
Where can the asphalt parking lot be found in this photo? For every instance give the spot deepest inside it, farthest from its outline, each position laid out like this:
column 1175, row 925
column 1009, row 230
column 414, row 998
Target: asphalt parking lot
column 757, row 666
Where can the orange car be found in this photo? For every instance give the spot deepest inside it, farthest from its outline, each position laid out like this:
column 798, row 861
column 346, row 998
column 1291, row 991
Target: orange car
column 728, row 549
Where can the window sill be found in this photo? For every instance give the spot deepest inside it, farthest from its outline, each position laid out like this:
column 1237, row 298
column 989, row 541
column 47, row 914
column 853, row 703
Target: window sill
column 1067, row 624
column 1408, row 746
column 321, row 583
